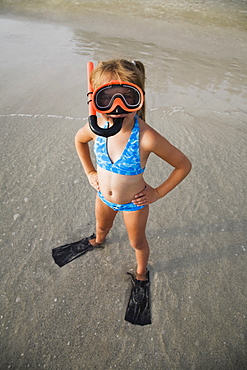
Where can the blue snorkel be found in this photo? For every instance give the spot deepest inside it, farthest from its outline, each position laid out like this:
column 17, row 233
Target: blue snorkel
column 92, row 119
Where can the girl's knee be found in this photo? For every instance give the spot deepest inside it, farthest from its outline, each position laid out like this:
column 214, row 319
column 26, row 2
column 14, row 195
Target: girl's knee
column 139, row 244
column 104, row 228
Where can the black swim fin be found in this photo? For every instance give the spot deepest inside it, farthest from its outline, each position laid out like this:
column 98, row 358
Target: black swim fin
column 139, row 311
column 67, row 253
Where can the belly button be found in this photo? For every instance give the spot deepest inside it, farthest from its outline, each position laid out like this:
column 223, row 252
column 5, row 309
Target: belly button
column 110, row 192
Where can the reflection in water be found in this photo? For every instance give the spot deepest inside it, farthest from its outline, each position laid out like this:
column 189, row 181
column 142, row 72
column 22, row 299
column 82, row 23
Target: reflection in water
column 177, row 76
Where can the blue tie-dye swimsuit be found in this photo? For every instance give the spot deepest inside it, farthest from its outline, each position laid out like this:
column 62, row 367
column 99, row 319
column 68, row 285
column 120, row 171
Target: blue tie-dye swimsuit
column 128, row 164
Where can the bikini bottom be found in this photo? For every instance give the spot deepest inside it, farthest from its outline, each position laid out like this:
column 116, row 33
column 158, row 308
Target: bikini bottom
column 120, row 207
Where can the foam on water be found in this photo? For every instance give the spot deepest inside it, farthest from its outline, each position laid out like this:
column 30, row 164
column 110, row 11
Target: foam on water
column 42, row 116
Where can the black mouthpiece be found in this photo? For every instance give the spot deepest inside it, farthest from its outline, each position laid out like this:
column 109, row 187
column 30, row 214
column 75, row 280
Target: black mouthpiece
column 106, row 132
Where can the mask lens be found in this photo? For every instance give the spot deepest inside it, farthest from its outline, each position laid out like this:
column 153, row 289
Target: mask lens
column 105, row 96
column 131, row 96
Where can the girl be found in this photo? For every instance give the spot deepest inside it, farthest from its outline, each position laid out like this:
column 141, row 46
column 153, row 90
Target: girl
column 121, row 160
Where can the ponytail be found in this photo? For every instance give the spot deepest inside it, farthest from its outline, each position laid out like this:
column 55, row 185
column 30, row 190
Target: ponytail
column 141, row 68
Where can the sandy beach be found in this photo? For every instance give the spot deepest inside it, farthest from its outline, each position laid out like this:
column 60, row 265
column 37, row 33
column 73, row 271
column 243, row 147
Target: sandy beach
column 195, row 55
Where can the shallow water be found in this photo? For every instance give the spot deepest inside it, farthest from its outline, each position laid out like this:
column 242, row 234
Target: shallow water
column 226, row 13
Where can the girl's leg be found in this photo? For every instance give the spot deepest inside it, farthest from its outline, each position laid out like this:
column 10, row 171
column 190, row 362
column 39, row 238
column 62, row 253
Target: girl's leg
column 135, row 223
column 104, row 220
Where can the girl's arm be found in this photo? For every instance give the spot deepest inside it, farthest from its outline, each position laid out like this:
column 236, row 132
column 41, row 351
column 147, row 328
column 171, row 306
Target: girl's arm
column 154, row 142
column 82, row 138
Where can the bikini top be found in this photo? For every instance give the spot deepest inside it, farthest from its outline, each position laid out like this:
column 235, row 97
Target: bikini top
column 129, row 163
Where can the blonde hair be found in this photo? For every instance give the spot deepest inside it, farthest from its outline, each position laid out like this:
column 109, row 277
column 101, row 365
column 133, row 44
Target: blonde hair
column 121, row 70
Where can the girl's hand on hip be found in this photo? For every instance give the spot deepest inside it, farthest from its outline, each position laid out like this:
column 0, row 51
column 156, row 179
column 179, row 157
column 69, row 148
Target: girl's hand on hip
column 93, row 180
column 147, row 196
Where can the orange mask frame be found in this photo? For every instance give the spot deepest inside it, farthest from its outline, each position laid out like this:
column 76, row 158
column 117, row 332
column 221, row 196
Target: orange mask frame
column 118, row 98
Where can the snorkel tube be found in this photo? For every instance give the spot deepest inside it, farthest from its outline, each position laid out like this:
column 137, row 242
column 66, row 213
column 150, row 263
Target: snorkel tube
column 92, row 119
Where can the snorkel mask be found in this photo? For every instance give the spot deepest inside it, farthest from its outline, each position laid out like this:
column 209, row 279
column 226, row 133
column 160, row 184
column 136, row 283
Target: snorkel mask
column 114, row 98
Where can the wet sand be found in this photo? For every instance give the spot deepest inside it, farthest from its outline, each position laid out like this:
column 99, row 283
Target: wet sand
column 73, row 317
